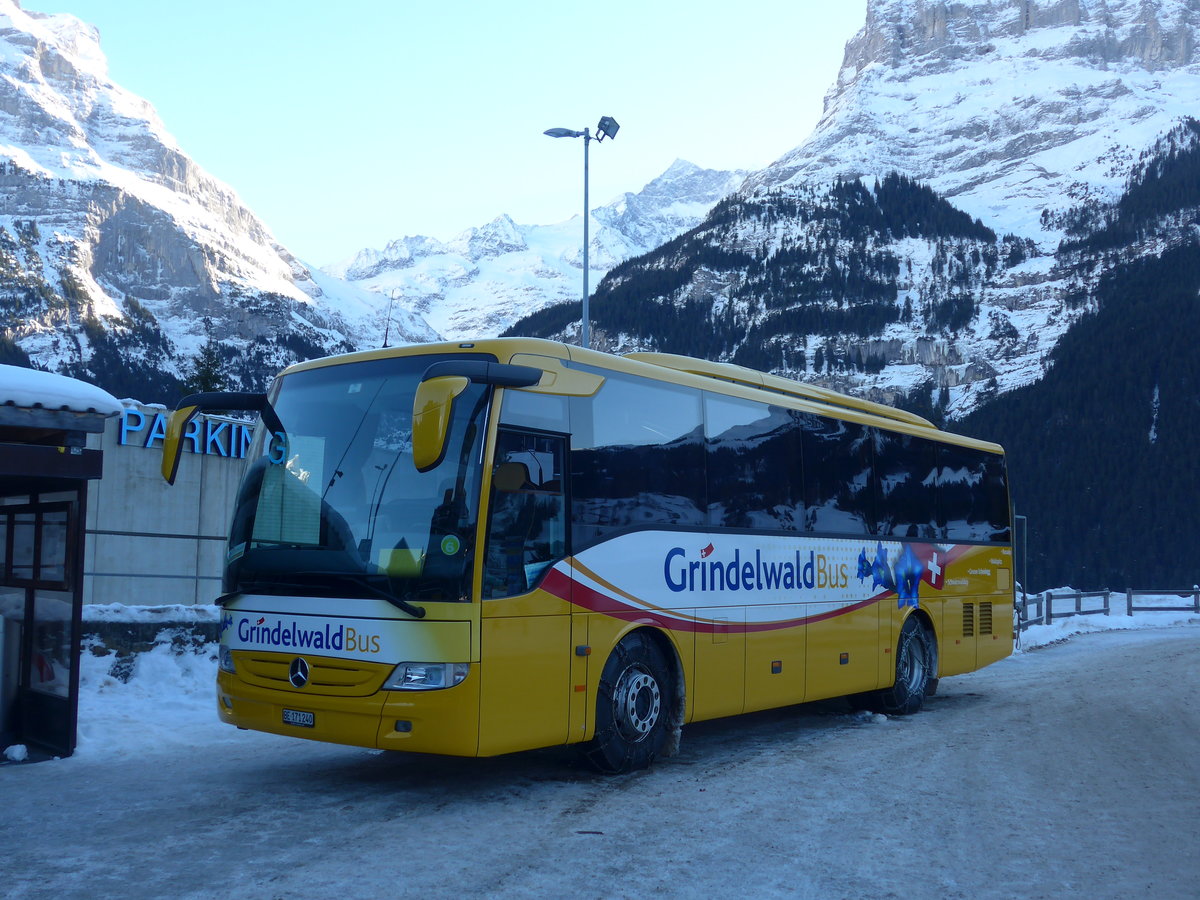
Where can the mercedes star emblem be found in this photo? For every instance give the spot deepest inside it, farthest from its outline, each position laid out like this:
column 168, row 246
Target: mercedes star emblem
column 298, row 673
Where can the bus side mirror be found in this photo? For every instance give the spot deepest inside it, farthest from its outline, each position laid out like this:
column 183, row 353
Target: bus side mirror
column 433, row 407
column 214, row 401
column 173, row 441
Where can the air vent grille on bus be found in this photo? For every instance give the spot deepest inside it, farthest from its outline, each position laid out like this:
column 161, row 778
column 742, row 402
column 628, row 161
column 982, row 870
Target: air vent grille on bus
column 985, row 618
column 968, row 620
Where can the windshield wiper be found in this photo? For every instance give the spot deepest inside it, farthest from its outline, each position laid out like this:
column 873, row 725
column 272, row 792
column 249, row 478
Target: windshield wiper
column 417, row 612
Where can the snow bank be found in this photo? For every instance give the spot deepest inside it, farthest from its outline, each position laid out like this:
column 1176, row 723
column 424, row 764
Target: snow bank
column 1118, row 620
column 167, row 697
column 173, row 615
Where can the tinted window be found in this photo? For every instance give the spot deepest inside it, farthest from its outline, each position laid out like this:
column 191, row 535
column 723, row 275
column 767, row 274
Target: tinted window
column 837, row 475
column 972, row 494
column 905, row 485
column 754, row 472
column 637, row 458
column 527, row 530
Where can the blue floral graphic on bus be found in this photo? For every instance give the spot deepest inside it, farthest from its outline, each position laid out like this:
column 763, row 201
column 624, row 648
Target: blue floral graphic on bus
column 864, row 565
column 909, row 571
column 881, row 572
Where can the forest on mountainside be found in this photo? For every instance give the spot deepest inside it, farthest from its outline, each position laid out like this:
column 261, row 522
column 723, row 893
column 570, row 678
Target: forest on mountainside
column 1100, row 449
column 829, row 271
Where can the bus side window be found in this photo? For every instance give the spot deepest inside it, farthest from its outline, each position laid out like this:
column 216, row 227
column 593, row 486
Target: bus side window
column 528, row 517
column 637, row 458
column 838, row 476
column 972, row 494
column 754, row 472
column 905, row 478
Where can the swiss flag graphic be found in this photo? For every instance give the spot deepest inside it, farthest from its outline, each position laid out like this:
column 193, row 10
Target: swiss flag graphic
column 935, row 572
column 707, row 551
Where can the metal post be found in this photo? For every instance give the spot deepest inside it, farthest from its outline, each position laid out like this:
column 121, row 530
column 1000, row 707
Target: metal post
column 1129, row 601
column 1049, row 607
column 584, row 335
column 1023, row 522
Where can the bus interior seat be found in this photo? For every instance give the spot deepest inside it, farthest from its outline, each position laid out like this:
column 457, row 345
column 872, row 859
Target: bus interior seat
column 512, row 476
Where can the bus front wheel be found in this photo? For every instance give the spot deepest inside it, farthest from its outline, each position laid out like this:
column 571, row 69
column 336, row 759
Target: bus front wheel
column 916, row 673
column 632, row 706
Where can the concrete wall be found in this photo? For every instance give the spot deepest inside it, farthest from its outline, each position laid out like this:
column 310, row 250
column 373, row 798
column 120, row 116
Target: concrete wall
column 149, row 543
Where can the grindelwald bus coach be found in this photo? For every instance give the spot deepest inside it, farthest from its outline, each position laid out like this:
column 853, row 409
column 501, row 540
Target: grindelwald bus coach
column 479, row 548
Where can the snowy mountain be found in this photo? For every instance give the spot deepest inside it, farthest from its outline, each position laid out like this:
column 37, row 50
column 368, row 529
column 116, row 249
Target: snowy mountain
column 1004, row 108
column 115, row 246
column 1027, row 117
column 487, row 278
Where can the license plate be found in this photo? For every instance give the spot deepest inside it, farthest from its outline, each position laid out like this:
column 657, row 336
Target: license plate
column 297, row 717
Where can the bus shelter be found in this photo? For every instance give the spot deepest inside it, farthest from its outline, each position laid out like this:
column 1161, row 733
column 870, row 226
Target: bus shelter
column 45, row 468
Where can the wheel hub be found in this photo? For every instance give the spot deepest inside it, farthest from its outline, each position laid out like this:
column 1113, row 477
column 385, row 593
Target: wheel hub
column 637, row 703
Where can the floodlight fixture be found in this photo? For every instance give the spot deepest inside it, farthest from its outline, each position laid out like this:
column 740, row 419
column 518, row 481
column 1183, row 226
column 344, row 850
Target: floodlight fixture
column 606, row 128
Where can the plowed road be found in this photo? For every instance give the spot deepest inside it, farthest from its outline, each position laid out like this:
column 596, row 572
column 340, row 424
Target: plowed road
column 1070, row 771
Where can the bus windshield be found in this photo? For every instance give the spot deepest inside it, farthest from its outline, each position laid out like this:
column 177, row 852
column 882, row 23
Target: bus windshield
column 332, row 505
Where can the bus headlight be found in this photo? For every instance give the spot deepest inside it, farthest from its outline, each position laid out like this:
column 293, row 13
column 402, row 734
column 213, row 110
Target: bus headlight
column 225, row 659
column 418, row 676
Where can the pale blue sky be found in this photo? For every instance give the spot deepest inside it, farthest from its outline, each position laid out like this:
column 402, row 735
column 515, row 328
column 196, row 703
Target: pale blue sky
column 346, row 124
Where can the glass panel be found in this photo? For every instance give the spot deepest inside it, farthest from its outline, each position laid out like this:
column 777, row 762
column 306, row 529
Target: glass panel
column 754, row 472
column 3, row 546
column 335, row 506
column 528, row 528
column 50, row 662
column 837, row 476
column 58, row 497
column 53, row 563
column 906, row 481
column 545, row 411
column 637, row 458
column 972, row 494
column 996, row 501
column 23, row 525
column 12, row 604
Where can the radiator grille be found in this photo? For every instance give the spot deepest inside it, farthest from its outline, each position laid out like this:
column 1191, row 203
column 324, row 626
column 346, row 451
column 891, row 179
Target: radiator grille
column 968, row 620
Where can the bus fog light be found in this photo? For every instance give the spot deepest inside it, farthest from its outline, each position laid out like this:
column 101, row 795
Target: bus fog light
column 225, row 659
column 417, row 676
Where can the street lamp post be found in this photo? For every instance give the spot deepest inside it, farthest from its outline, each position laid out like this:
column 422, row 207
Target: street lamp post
column 606, row 128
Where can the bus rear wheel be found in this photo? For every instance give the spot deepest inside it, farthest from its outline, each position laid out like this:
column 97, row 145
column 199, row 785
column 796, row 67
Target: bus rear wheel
column 632, row 707
column 916, row 673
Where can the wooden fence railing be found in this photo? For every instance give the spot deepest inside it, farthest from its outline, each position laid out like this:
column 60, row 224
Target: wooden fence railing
column 1044, row 608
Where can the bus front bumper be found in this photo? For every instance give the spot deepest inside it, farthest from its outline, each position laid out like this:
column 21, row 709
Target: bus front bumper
column 440, row 721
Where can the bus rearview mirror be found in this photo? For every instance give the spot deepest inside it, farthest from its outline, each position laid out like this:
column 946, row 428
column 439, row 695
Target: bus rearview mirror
column 433, row 407
column 173, row 441
column 213, row 401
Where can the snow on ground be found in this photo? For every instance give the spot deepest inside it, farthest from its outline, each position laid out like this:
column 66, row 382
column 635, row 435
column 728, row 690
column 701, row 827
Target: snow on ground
column 1065, row 772
column 168, row 699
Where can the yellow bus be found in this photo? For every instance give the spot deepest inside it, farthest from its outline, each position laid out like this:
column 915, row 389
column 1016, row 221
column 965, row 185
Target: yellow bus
column 486, row 547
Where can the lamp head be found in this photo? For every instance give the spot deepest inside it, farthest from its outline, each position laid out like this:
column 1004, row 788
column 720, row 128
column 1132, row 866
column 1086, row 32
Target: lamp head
column 606, row 128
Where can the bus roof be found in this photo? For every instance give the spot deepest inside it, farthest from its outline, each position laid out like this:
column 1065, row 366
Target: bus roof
column 724, row 377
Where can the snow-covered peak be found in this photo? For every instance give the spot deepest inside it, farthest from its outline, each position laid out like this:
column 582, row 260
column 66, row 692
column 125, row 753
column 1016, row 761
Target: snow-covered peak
column 104, row 219
column 501, row 235
column 1006, row 108
column 489, row 277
